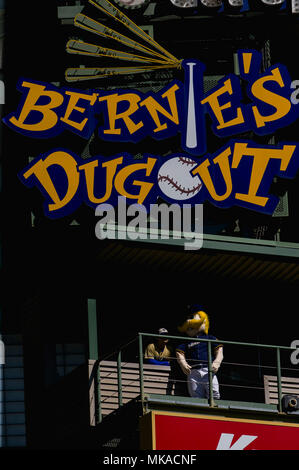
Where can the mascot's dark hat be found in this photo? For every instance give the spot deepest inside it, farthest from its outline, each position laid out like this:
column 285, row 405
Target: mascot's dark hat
column 192, row 322
column 194, row 308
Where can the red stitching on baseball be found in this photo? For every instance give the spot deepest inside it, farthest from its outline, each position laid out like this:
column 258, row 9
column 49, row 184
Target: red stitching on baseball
column 186, row 161
column 177, row 186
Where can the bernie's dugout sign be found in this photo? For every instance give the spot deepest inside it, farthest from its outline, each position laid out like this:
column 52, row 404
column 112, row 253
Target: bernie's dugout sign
column 239, row 173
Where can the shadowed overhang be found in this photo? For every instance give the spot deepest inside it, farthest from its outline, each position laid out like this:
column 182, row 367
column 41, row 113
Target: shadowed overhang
column 207, row 261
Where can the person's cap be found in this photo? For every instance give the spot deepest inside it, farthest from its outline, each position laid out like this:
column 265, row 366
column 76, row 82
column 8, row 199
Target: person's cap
column 162, row 331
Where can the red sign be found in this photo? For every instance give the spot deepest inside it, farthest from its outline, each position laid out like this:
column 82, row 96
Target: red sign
column 186, row 432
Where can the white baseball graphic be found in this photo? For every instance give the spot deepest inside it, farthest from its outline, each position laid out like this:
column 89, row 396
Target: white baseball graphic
column 175, row 179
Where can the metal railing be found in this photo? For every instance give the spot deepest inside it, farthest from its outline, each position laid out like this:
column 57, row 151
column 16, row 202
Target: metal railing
column 184, row 339
column 210, row 374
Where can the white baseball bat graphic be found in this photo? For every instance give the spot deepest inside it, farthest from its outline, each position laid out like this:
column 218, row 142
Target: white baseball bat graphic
column 191, row 137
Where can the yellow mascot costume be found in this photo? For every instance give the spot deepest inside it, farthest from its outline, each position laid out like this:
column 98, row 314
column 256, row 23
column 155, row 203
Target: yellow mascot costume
column 192, row 356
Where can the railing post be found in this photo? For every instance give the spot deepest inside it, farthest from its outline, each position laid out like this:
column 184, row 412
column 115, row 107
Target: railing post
column 211, row 398
column 141, row 368
column 120, row 394
column 279, row 380
column 98, row 392
column 94, row 355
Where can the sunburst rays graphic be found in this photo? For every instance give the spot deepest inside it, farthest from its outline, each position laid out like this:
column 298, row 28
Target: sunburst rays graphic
column 144, row 53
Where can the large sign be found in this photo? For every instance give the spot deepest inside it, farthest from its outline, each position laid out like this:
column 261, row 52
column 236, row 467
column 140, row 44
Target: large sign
column 239, row 173
column 171, row 431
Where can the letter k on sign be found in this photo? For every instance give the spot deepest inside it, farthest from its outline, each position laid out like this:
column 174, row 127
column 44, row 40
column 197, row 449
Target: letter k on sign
column 226, row 440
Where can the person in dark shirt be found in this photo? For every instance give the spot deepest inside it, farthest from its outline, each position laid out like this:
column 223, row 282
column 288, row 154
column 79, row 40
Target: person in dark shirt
column 192, row 356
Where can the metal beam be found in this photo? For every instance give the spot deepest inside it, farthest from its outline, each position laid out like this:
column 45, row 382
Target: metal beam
column 212, row 242
column 92, row 329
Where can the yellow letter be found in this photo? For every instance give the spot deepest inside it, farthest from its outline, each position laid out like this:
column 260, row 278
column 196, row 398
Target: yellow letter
column 217, row 109
column 281, row 103
column 69, row 165
column 153, row 107
column 123, row 174
column 49, row 117
column 203, row 172
column 261, row 158
column 112, row 101
column 74, row 97
column 89, row 176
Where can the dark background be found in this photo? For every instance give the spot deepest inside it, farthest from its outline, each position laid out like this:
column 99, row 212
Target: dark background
column 51, row 270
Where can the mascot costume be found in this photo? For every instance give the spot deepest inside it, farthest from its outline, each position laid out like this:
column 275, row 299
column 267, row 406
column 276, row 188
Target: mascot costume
column 192, row 356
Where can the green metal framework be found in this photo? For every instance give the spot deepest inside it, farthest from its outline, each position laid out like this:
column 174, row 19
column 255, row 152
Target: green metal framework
column 211, row 242
column 211, row 402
